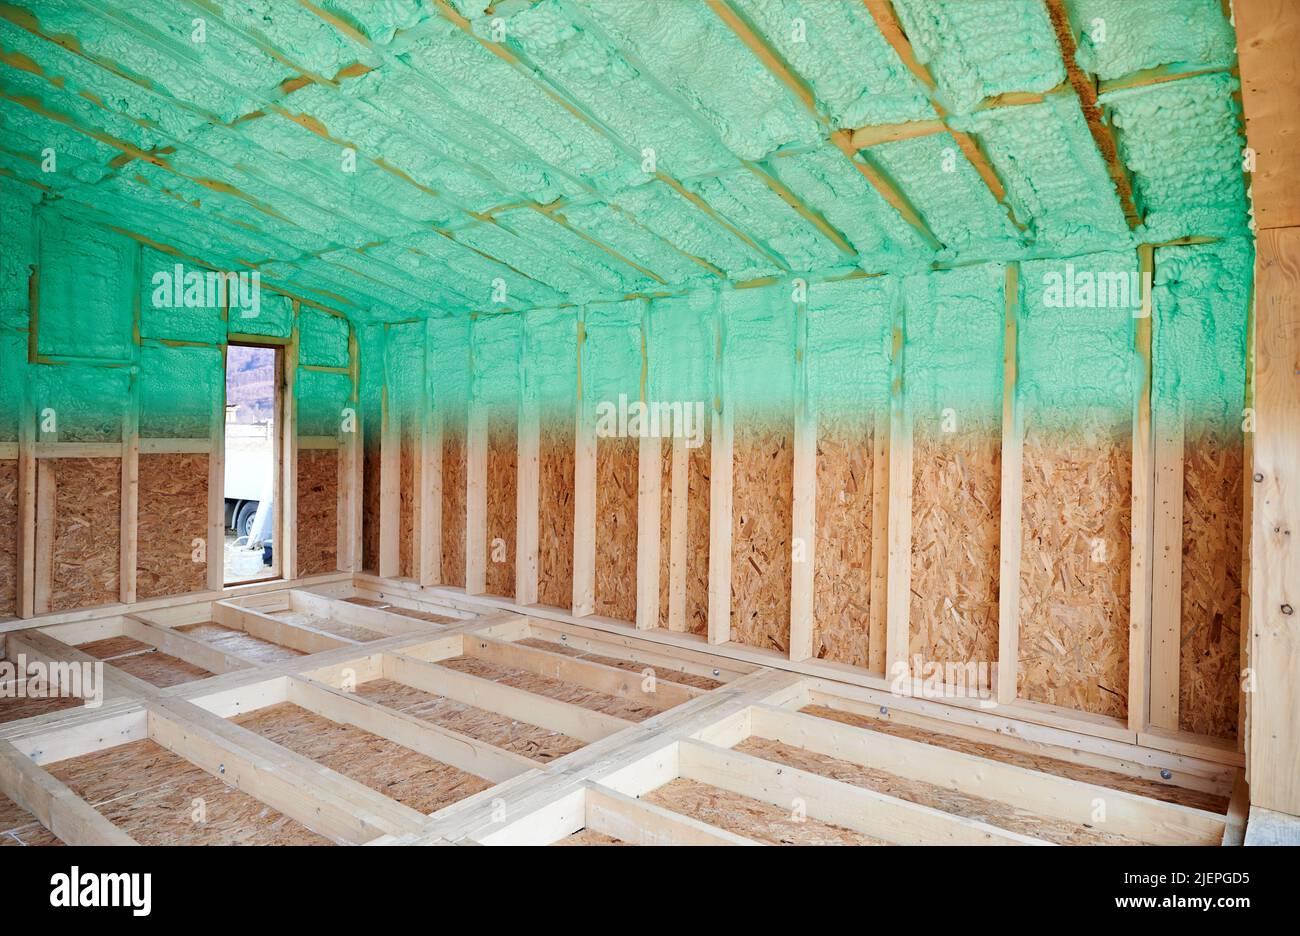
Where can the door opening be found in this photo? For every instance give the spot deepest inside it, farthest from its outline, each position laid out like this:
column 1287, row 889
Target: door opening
column 252, row 463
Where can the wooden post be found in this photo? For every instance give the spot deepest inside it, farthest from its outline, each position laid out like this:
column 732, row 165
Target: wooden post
column 677, row 534
column 720, row 490
column 390, row 495
column 476, row 466
column 351, row 471
column 899, row 604
column 1009, row 550
column 216, row 545
column 804, row 519
column 1143, row 515
column 584, row 493
column 287, row 545
column 649, row 500
column 427, row 547
column 128, row 549
column 878, row 620
column 1274, row 748
column 527, row 495
column 1167, row 593
column 43, row 539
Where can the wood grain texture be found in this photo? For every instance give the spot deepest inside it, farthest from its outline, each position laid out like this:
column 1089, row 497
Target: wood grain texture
column 842, row 566
column 555, row 507
column 956, row 518
column 84, row 568
column 318, row 508
column 763, row 479
column 406, row 501
column 617, row 462
column 173, row 513
column 454, row 477
column 1269, row 34
column 370, row 509
column 502, row 486
column 1211, row 584
column 1074, row 595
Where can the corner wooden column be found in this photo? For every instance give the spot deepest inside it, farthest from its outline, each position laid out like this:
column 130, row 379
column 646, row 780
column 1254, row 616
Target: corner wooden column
column 1268, row 34
column 1274, row 747
column 899, row 602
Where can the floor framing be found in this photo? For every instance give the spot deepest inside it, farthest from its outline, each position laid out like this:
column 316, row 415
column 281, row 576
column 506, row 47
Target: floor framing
column 354, row 713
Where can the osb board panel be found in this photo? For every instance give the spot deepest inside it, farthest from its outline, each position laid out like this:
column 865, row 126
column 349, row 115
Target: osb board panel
column 328, row 624
column 502, row 485
column 754, row 819
column 555, row 517
column 143, row 661
column 842, row 560
column 172, row 514
column 238, row 643
column 370, row 463
column 397, row 772
column 85, row 569
column 1211, row 620
column 406, row 507
column 595, row 700
column 160, row 799
column 1074, row 579
column 1084, row 773
column 19, row 827
column 616, row 481
column 454, row 476
column 956, row 534
column 318, row 511
column 993, row 812
column 8, row 537
column 29, row 707
column 762, row 492
column 540, row 744
column 698, row 485
column 673, row 676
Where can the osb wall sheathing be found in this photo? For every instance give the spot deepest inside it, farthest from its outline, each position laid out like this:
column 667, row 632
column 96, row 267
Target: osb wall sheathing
column 84, row 565
column 1211, row 619
column 406, row 506
column 842, row 563
column 762, row 492
column 318, row 507
column 956, row 533
column 502, row 484
column 370, row 463
column 8, row 538
column 1074, row 580
column 617, row 462
column 555, row 516
column 453, row 503
column 172, row 513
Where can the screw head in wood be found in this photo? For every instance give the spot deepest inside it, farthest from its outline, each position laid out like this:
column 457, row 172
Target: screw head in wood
column 1259, row 476
column 884, row 710
column 1287, row 609
column 1166, row 774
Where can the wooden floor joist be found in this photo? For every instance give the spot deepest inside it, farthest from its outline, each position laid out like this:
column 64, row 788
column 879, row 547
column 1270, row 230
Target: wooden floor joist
column 615, row 786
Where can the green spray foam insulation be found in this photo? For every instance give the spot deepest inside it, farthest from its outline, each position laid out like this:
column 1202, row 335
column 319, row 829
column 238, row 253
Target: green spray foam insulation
column 952, row 352
column 668, row 82
column 1200, row 298
column 1078, row 364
